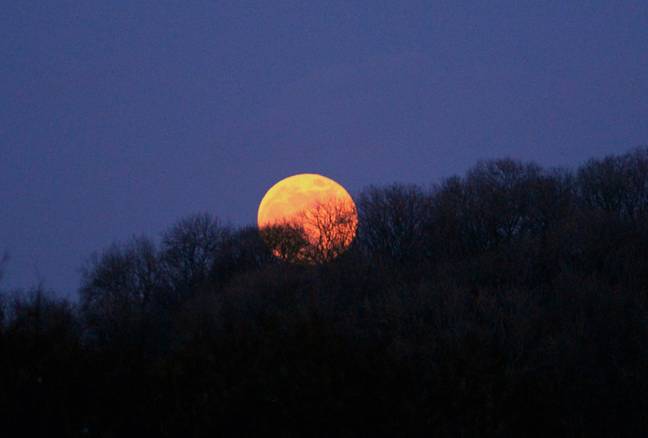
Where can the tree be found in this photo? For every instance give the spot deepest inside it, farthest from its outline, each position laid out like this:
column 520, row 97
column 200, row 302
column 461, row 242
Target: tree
column 316, row 235
column 121, row 286
column 188, row 252
column 603, row 185
column 287, row 241
column 241, row 251
column 617, row 184
column 330, row 228
column 498, row 201
column 4, row 259
column 393, row 222
column 636, row 163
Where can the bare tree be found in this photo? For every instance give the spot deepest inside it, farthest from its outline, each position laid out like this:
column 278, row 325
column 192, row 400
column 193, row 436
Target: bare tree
column 242, row 251
column 636, row 163
column 4, row 259
column 330, row 228
column 315, row 235
column 617, row 184
column 39, row 311
column 393, row 221
column 287, row 241
column 121, row 285
column 189, row 249
column 603, row 185
column 498, row 200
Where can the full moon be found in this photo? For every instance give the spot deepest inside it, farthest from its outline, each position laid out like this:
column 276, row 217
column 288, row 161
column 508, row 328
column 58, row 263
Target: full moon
column 307, row 218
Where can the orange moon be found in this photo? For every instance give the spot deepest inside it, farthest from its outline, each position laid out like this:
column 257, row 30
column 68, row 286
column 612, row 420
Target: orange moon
column 320, row 209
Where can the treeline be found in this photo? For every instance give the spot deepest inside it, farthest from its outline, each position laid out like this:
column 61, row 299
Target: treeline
column 512, row 301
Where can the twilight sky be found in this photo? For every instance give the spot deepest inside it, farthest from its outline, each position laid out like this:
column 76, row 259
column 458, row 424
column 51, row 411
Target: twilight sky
column 118, row 118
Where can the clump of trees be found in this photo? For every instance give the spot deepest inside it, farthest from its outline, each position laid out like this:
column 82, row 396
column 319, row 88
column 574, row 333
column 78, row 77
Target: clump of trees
column 511, row 301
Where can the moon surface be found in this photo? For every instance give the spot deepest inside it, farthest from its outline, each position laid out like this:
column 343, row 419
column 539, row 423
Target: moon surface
column 320, row 209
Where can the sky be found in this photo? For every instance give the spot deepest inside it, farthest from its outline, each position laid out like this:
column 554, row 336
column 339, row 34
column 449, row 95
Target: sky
column 118, row 118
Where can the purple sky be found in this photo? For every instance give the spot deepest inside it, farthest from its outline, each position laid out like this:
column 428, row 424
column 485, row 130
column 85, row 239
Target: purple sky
column 120, row 117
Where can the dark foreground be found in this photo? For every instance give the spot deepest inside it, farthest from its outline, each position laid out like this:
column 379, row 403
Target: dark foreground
column 509, row 302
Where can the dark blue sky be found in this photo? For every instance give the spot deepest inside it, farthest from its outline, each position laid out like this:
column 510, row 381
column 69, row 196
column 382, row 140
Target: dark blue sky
column 120, row 117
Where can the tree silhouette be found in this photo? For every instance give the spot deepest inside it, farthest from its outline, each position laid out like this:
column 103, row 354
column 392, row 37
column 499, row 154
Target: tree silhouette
column 120, row 287
column 242, row 251
column 617, row 184
column 315, row 235
column 394, row 221
column 287, row 240
column 509, row 301
column 330, row 227
column 188, row 251
column 4, row 259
